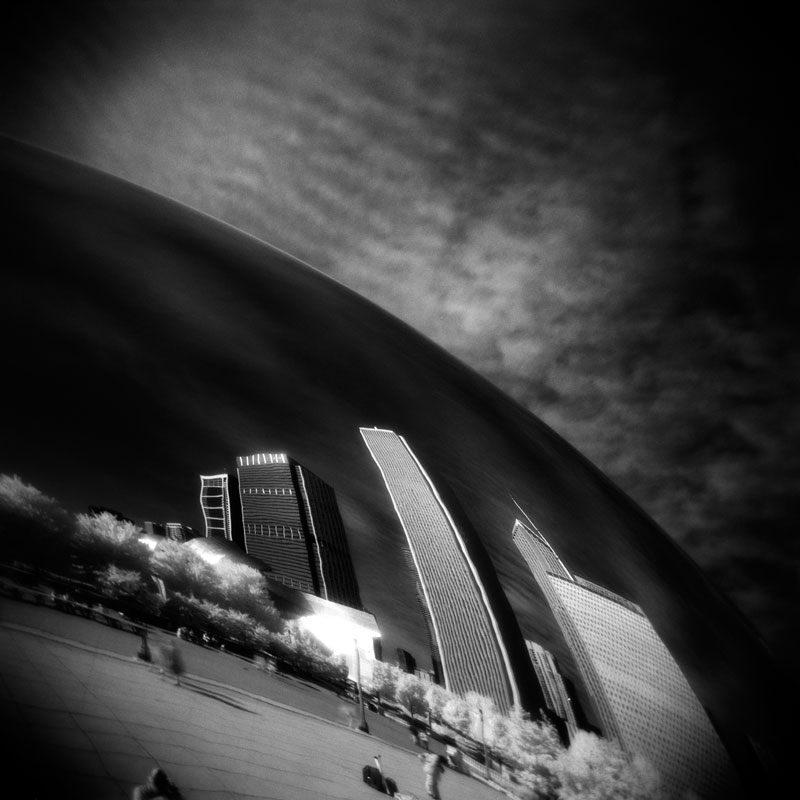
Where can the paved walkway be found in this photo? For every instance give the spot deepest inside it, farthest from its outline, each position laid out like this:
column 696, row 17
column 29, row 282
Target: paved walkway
column 90, row 723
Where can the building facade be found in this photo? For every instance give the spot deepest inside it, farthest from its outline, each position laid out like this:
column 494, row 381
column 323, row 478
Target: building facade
column 465, row 634
column 405, row 661
column 643, row 699
column 154, row 528
column 556, row 696
column 179, row 532
column 219, row 499
column 291, row 522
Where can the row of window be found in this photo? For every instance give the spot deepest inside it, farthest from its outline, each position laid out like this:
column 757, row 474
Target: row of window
column 274, row 531
column 467, row 639
column 262, row 458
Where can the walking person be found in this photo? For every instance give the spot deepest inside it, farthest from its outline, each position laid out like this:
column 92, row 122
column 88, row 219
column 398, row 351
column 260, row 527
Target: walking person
column 433, row 767
column 413, row 730
column 175, row 660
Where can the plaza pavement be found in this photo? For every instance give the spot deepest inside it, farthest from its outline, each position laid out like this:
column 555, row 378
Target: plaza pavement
column 86, row 722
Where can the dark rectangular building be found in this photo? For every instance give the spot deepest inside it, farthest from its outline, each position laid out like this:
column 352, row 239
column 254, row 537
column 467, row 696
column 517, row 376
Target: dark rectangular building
column 291, row 522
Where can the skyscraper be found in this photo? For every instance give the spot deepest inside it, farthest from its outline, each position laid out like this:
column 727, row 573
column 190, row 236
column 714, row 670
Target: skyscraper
column 556, row 697
column 291, row 522
column 643, row 699
column 465, row 632
column 219, row 499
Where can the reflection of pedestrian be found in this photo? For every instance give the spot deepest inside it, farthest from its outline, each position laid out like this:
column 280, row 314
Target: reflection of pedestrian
column 454, row 758
column 174, row 660
column 433, row 767
column 170, row 660
column 158, row 787
column 413, row 730
column 346, row 714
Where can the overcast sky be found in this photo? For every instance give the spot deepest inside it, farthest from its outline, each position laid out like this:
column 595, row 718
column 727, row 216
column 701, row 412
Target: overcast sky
column 587, row 203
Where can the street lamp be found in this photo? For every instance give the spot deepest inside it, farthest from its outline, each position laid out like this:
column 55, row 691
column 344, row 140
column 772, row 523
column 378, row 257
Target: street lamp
column 485, row 749
column 362, row 726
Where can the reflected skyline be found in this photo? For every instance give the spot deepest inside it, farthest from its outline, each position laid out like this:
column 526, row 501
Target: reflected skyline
column 109, row 334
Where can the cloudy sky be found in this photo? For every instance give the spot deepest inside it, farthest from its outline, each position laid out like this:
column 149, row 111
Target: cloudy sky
column 586, row 202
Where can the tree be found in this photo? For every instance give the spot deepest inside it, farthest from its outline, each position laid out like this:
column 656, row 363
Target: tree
column 533, row 748
column 120, row 583
column 483, row 716
column 598, row 769
column 384, row 680
column 183, row 571
column 34, row 529
column 245, row 589
column 102, row 539
column 410, row 693
column 129, row 586
column 436, row 697
column 227, row 623
column 456, row 714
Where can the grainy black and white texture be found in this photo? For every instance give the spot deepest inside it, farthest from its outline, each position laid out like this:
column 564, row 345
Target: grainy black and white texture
column 589, row 203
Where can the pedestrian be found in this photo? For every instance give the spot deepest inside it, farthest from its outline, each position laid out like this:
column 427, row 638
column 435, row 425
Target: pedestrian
column 454, row 758
column 413, row 730
column 346, row 715
column 158, row 787
column 433, row 767
column 174, row 660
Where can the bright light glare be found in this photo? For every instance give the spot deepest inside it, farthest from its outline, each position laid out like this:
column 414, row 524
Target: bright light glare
column 338, row 634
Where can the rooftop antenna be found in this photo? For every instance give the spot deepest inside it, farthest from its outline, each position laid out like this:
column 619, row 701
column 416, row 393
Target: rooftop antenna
column 522, row 511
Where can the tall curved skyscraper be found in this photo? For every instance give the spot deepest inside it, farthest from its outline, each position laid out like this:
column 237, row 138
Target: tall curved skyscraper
column 643, row 699
column 466, row 635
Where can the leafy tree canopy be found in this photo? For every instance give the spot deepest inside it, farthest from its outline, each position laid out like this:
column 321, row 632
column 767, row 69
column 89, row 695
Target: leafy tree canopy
column 102, row 539
column 34, row 528
column 598, row 769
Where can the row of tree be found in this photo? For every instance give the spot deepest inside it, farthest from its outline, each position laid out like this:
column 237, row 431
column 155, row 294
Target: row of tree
column 228, row 602
column 591, row 768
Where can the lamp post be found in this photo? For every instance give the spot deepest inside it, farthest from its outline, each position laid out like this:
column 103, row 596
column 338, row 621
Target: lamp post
column 485, row 749
column 362, row 726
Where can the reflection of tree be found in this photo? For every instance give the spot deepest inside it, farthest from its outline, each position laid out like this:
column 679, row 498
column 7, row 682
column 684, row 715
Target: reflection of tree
column 410, row 693
column 128, row 586
column 597, row 768
column 102, row 539
column 384, row 680
column 245, row 589
column 306, row 653
column 34, row 529
column 531, row 747
column 183, row 571
column 436, row 696
column 456, row 713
